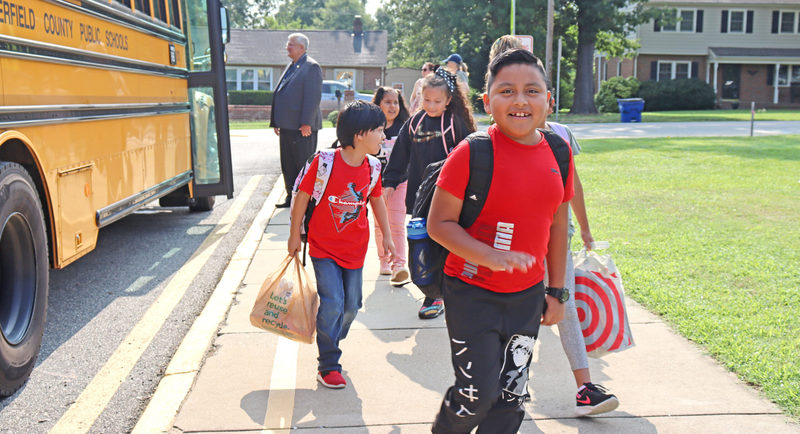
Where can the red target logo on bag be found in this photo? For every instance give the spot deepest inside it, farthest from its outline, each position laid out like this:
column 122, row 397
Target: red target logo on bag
column 600, row 301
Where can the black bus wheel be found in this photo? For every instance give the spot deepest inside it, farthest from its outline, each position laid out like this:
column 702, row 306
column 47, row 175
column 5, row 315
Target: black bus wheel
column 202, row 203
column 24, row 275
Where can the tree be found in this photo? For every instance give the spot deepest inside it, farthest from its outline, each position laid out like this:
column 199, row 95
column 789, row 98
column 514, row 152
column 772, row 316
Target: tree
column 249, row 14
column 611, row 18
column 339, row 14
column 425, row 30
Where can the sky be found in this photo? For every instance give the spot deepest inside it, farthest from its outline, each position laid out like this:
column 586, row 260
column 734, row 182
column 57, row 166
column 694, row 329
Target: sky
column 372, row 6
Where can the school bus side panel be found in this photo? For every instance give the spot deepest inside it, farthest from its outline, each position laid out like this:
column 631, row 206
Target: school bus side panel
column 124, row 124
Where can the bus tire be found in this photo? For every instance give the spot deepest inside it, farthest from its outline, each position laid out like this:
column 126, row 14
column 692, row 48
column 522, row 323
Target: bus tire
column 24, row 276
column 202, row 203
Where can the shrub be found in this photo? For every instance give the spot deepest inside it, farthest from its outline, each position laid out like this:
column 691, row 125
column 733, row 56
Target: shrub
column 333, row 117
column 476, row 98
column 682, row 94
column 250, row 97
column 616, row 87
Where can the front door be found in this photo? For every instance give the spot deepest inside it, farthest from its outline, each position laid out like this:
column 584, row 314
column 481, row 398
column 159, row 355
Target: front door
column 731, row 75
column 211, row 143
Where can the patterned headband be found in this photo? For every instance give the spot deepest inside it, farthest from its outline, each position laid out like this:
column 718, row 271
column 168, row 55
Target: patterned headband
column 449, row 78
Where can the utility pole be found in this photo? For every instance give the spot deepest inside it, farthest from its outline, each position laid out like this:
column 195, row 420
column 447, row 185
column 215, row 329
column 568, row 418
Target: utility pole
column 513, row 12
column 548, row 50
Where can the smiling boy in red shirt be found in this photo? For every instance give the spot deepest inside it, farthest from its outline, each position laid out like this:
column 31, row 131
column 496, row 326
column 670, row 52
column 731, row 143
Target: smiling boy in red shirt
column 493, row 287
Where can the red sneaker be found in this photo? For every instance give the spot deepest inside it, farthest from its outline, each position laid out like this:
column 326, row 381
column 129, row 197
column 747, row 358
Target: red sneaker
column 332, row 380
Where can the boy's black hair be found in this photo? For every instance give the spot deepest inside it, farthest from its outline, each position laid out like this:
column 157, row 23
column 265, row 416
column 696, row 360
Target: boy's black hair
column 513, row 57
column 358, row 117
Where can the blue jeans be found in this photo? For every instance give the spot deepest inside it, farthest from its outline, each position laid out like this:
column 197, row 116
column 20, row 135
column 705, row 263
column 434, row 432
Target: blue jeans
column 339, row 292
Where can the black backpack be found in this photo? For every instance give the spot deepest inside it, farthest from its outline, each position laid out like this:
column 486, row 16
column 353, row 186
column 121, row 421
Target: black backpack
column 427, row 257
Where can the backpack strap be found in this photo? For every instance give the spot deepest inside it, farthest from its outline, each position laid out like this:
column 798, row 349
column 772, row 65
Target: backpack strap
column 324, row 167
column 481, row 166
column 560, row 150
column 413, row 129
column 452, row 131
column 374, row 173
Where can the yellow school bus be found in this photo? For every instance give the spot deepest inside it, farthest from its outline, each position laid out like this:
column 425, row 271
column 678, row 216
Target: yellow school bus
column 105, row 105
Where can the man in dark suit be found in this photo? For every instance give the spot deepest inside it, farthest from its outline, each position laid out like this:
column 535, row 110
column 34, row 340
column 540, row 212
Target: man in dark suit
column 295, row 116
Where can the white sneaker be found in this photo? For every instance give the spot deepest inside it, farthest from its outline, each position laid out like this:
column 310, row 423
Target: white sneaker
column 386, row 269
column 400, row 276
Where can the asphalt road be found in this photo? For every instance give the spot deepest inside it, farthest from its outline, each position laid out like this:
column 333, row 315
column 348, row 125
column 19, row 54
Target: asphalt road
column 96, row 302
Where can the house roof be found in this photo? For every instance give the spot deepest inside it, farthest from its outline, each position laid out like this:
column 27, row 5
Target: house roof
column 328, row 47
column 754, row 52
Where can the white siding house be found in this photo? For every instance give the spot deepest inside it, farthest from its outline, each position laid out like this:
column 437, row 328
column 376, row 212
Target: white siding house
column 747, row 50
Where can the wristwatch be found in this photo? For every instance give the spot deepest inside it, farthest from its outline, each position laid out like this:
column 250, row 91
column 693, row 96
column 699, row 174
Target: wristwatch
column 560, row 294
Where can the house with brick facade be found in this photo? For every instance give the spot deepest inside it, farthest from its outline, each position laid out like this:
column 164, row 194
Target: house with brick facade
column 747, row 50
column 256, row 58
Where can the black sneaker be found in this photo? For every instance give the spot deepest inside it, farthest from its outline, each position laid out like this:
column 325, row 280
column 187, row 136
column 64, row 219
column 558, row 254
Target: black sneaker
column 431, row 308
column 594, row 399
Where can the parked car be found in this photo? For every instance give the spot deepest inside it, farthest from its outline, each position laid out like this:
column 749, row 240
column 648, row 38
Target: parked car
column 329, row 101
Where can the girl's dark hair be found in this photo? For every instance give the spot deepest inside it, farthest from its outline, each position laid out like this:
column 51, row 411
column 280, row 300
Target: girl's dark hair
column 431, row 66
column 358, row 117
column 513, row 57
column 402, row 115
column 459, row 104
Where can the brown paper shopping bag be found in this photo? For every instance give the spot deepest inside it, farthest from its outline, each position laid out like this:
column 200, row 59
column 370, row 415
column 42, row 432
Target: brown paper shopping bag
column 287, row 303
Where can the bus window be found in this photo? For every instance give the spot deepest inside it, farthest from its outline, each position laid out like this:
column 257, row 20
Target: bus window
column 199, row 46
column 143, row 6
column 159, row 11
column 175, row 13
column 125, row 2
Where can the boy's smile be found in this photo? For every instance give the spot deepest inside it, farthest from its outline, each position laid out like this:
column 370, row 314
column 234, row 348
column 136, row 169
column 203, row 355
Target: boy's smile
column 518, row 102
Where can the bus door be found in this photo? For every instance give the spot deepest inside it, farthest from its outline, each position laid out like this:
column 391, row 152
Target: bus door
column 208, row 31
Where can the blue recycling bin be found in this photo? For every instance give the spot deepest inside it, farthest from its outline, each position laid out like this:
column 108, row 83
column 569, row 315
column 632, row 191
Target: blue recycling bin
column 630, row 109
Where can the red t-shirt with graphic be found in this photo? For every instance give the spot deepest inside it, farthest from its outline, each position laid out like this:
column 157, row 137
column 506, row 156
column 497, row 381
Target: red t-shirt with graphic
column 526, row 192
column 338, row 228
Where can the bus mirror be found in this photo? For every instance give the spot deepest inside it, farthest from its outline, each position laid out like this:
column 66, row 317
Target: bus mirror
column 225, row 25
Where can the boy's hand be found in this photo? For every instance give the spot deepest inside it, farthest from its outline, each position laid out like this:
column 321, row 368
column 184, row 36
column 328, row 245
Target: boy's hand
column 388, row 246
column 588, row 239
column 387, row 193
column 555, row 311
column 511, row 260
column 294, row 244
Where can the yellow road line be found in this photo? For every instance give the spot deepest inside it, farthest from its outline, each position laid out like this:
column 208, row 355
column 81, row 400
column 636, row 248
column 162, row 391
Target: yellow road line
column 92, row 401
column 282, row 384
column 185, row 364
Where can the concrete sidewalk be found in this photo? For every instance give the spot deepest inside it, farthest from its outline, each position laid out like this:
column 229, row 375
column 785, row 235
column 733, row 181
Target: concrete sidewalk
column 397, row 368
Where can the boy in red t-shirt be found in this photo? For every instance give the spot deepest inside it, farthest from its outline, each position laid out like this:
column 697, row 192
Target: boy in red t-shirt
column 338, row 231
column 493, row 286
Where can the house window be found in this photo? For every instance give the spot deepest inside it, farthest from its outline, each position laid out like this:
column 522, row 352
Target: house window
column 231, row 79
column 787, row 22
column 263, row 79
column 686, row 21
column 795, row 77
column 674, row 70
column 736, row 21
column 788, row 75
column 246, row 79
column 346, row 76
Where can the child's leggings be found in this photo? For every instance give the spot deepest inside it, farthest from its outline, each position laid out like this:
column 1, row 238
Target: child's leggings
column 396, row 208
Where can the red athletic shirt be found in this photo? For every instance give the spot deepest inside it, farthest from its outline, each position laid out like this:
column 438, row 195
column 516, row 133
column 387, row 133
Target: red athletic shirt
column 526, row 192
column 338, row 228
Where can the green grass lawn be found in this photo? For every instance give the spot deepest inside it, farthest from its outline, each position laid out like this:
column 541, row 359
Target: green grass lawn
column 705, row 233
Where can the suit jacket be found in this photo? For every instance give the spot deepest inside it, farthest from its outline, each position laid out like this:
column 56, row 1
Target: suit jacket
column 297, row 101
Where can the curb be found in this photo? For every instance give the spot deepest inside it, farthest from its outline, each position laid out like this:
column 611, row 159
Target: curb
column 179, row 377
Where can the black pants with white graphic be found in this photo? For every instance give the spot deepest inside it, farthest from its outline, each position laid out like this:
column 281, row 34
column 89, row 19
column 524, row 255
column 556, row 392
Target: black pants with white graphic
column 491, row 344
